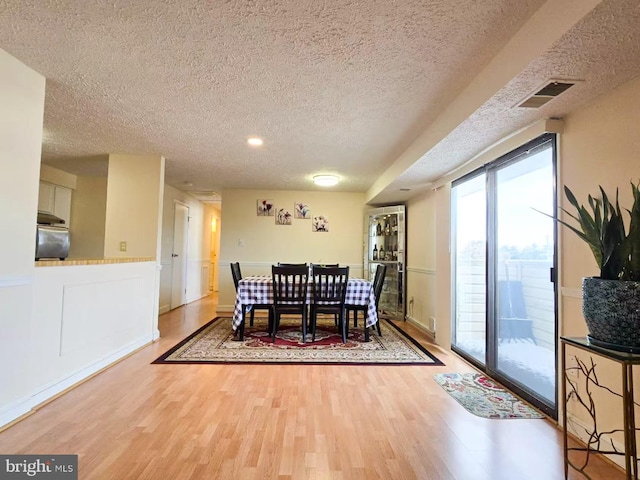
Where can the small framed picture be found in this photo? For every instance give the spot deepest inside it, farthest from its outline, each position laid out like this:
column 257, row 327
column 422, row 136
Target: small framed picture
column 265, row 208
column 320, row 224
column 302, row 210
column 283, row 217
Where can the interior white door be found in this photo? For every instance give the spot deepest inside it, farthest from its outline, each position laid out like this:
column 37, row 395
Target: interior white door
column 179, row 255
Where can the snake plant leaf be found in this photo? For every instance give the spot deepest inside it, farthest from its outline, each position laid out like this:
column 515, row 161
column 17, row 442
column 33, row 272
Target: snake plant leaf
column 632, row 267
column 601, row 226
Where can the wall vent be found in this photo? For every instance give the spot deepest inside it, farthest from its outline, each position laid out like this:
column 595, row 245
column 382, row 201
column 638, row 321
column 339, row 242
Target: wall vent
column 548, row 92
column 205, row 196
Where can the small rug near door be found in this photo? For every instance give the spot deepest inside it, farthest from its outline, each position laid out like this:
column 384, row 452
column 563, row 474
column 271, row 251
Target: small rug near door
column 214, row 343
column 484, row 397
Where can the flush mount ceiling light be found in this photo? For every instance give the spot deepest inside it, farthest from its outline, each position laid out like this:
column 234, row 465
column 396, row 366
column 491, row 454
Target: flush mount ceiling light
column 255, row 141
column 326, row 180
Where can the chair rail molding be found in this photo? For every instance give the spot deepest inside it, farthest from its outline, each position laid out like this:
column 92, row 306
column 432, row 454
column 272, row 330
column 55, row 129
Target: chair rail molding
column 424, row 271
column 15, row 281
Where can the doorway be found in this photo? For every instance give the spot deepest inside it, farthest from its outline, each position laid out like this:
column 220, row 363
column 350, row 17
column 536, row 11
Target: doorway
column 179, row 255
column 504, row 257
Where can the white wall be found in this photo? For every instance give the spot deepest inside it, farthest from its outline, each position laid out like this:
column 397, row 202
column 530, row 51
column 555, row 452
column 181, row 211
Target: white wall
column 84, row 318
column 58, row 325
column 21, row 114
column 134, row 199
column 257, row 242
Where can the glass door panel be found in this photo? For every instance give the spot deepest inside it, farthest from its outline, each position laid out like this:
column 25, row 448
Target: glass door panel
column 524, row 257
column 469, row 224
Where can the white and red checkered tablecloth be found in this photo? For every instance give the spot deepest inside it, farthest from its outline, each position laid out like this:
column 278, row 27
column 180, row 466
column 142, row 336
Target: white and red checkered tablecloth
column 259, row 290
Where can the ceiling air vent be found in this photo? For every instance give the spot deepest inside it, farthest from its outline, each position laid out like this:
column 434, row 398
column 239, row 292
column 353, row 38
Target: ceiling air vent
column 205, row 197
column 547, row 93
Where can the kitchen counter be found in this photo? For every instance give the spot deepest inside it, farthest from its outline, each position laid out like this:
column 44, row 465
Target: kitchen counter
column 70, row 262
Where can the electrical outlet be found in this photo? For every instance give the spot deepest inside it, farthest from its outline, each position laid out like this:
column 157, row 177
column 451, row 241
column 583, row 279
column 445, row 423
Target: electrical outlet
column 123, row 246
column 432, row 324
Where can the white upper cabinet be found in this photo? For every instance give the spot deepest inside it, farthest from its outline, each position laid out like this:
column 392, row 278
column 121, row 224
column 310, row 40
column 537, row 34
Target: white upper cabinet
column 56, row 200
column 46, row 197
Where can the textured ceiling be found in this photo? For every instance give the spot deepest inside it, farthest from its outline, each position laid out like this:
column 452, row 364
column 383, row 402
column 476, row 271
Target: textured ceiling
column 343, row 87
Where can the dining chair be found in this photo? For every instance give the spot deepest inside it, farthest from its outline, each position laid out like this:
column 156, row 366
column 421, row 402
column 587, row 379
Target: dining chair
column 333, row 265
column 329, row 293
column 237, row 276
column 290, row 286
column 292, row 264
column 314, row 265
column 378, row 281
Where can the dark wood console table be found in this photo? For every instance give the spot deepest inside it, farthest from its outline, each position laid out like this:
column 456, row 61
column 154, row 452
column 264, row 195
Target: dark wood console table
column 627, row 361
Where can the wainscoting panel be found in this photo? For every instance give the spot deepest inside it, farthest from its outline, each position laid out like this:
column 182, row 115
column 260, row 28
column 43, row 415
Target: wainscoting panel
column 103, row 323
column 421, row 290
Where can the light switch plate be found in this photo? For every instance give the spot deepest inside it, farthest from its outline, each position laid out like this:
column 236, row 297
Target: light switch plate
column 123, row 246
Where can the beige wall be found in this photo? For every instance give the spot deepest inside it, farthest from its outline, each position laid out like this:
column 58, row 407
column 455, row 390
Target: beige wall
column 213, row 214
column 58, row 177
column 134, row 198
column 88, row 217
column 443, row 265
column 257, row 242
column 421, row 265
column 600, row 146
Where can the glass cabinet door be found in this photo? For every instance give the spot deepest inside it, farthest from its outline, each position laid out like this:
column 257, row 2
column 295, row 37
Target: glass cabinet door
column 384, row 244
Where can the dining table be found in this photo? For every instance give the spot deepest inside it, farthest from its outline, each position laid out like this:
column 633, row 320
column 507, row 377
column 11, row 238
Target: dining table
column 258, row 289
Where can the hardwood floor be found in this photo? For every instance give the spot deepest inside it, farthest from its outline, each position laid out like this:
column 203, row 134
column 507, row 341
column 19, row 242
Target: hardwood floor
column 142, row 421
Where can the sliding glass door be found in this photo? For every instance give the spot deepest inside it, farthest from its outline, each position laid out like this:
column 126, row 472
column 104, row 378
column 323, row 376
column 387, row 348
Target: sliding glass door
column 469, row 205
column 504, row 257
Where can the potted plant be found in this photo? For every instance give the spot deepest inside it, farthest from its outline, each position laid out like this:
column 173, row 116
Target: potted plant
column 610, row 302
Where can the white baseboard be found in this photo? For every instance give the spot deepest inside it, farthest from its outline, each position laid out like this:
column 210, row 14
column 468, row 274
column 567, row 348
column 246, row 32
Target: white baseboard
column 46, row 392
column 225, row 308
column 196, row 298
column 155, row 335
column 164, row 309
column 582, row 435
column 422, row 327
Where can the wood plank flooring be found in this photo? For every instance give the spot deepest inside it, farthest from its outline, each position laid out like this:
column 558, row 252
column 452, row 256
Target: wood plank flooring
column 142, row 421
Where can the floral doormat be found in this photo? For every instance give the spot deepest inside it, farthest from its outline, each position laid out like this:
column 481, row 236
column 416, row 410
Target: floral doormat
column 215, row 343
column 484, row 397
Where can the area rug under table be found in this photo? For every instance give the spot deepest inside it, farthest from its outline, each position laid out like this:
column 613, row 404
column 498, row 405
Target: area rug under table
column 484, row 397
column 215, row 343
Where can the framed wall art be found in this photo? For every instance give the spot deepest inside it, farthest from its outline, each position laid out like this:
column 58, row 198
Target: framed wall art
column 283, row 216
column 302, row 210
column 265, row 208
column 320, row 224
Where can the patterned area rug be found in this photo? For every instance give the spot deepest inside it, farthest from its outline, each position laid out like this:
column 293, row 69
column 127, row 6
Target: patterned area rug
column 214, row 343
column 484, row 397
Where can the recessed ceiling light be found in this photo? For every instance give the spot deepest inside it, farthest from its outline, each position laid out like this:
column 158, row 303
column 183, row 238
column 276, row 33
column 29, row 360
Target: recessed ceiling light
column 326, row 180
column 255, row 141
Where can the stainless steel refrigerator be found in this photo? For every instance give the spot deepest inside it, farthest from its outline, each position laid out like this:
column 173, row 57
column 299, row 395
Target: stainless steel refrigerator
column 384, row 242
